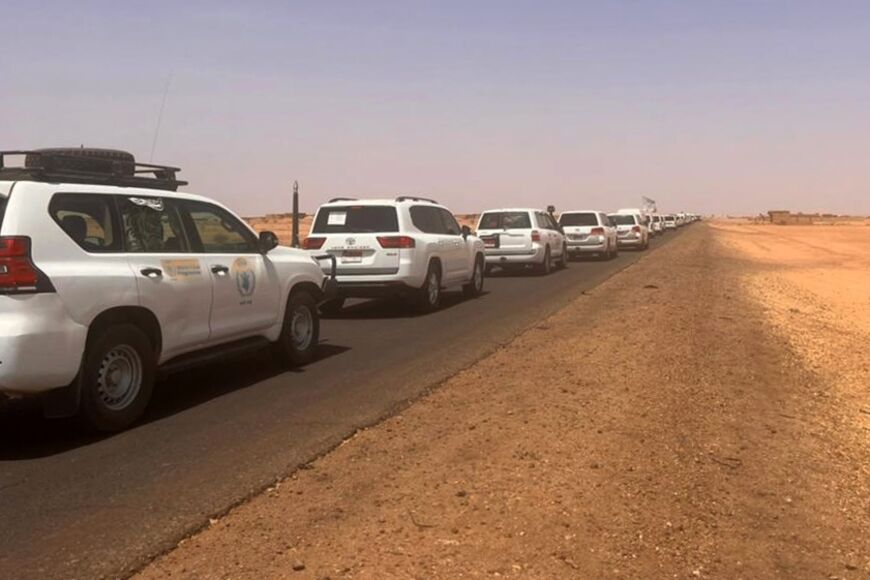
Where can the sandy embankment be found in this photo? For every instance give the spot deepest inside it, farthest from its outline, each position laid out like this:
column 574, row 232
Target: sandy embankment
column 698, row 415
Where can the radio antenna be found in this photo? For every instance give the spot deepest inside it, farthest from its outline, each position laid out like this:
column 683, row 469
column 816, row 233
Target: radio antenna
column 160, row 117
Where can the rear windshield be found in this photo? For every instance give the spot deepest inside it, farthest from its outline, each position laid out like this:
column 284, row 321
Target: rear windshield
column 578, row 219
column 2, row 209
column 356, row 219
column 498, row 220
column 669, row 218
column 621, row 219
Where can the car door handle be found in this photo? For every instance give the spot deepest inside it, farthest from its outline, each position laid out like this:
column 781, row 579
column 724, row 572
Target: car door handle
column 220, row 270
column 151, row 272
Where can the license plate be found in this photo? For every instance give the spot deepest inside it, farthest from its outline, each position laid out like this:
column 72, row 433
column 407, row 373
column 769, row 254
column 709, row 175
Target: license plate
column 351, row 257
column 577, row 236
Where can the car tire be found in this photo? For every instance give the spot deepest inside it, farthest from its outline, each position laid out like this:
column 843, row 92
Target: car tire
column 117, row 378
column 300, row 333
column 546, row 266
column 332, row 307
column 428, row 297
column 562, row 263
column 474, row 288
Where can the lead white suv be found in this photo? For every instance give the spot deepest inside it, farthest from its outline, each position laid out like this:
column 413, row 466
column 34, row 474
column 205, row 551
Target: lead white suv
column 109, row 276
column 408, row 247
column 516, row 238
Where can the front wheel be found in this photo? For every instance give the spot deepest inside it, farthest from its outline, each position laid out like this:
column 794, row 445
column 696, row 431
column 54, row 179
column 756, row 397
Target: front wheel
column 117, row 378
column 474, row 288
column 300, row 333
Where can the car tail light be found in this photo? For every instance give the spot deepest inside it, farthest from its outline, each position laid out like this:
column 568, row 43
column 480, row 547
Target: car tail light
column 17, row 271
column 597, row 232
column 394, row 242
column 536, row 236
column 313, row 243
column 636, row 229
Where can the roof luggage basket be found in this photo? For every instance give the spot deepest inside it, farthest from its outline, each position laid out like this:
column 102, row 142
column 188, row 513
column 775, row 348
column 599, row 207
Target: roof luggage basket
column 91, row 166
column 334, row 199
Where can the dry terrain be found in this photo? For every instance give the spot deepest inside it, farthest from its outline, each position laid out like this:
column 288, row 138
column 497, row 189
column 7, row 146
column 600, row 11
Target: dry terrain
column 703, row 414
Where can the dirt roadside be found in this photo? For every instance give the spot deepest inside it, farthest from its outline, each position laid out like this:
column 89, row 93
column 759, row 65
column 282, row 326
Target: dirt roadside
column 664, row 424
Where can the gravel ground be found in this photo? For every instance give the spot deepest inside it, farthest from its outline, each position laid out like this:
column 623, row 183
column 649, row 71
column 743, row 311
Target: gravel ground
column 676, row 421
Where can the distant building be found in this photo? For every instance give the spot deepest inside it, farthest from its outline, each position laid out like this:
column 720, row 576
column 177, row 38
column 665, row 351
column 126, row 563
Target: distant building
column 785, row 218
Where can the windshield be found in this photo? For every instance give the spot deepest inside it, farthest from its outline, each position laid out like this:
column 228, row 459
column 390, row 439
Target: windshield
column 578, row 219
column 621, row 219
column 504, row 220
column 669, row 218
column 356, row 219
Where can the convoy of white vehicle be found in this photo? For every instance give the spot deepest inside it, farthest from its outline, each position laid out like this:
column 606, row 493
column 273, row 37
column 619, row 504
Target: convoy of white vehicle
column 109, row 276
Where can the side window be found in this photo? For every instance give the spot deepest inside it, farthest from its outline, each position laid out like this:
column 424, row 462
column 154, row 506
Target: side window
column 151, row 225
column 427, row 219
column 451, row 226
column 217, row 230
column 88, row 219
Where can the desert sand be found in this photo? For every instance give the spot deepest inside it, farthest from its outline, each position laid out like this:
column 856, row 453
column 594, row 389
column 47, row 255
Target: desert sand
column 703, row 414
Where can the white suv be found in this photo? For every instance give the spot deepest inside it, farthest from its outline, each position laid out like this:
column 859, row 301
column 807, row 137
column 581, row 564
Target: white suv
column 516, row 238
column 630, row 230
column 589, row 232
column 109, row 276
column 408, row 247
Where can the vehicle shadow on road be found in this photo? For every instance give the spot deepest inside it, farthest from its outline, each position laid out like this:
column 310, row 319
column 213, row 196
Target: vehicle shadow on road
column 26, row 434
column 522, row 273
column 384, row 308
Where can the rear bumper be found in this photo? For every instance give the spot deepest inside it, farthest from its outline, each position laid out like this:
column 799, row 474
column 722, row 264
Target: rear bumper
column 575, row 247
column 498, row 256
column 41, row 347
column 629, row 242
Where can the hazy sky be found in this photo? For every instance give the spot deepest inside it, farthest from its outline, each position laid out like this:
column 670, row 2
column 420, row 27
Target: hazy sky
column 711, row 106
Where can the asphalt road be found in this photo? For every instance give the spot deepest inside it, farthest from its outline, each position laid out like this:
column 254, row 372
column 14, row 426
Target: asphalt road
column 76, row 507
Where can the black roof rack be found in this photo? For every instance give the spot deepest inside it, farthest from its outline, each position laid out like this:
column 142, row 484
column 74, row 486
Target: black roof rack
column 91, row 166
column 334, row 199
column 415, row 198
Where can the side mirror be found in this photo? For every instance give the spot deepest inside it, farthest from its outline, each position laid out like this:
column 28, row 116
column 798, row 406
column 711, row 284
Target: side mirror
column 466, row 231
column 268, row 242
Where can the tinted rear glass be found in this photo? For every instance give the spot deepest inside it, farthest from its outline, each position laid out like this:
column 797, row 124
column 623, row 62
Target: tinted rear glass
column 356, row 219
column 88, row 219
column 578, row 219
column 2, row 209
column 622, row 219
column 503, row 220
column 669, row 218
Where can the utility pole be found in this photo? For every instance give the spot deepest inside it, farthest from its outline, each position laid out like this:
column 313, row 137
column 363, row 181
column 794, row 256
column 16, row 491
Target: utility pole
column 295, row 241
